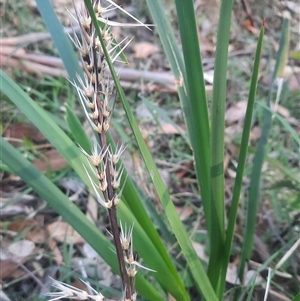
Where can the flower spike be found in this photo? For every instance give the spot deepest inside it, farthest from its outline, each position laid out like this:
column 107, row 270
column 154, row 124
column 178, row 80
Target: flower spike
column 98, row 196
column 97, row 95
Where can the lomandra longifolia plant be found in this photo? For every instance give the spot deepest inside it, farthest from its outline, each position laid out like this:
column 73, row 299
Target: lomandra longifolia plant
column 97, row 95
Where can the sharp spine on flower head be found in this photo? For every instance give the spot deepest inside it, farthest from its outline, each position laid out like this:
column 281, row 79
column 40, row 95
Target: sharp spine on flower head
column 125, row 237
column 69, row 291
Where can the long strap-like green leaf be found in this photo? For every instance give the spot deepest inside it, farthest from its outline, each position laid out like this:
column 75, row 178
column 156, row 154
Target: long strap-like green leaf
column 259, row 157
column 241, row 163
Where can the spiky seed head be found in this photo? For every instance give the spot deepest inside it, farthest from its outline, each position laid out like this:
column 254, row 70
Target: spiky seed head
column 134, row 296
column 113, row 172
column 129, row 258
column 126, row 237
column 91, row 105
column 93, row 78
column 101, row 175
column 98, row 45
column 106, row 111
column 106, row 36
column 125, row 243
column 95, row 160
column 115, row 159
column 103, row 185
column 131, row 272
column 116, row 200
column 98, row 128
column 89, row 92
column 99, row 11
column 105, row 125
column 94, row 115
column 85, row 22
column 115, row 183
column 108, row 204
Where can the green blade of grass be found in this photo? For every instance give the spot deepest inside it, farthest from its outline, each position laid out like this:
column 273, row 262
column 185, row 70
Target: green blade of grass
column 283, row 51
column 177, row 226
column 57, row 200
column 241, row 162
column 198, row 125
column 259, row 157
column 173, row 53
column 254, row 192
column 217, row 143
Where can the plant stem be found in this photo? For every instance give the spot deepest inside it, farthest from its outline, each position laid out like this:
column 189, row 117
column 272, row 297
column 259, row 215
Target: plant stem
column 112, row 213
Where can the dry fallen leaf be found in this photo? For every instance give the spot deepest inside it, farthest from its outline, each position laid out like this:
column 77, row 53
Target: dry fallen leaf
column 7, row 268
column 168, row 128
column 22, row 248
column 21, row 224
column 233, row 149
column 34, row 230
column 231, row 173
column 255, row 133
column 144, row 49
column 89, row 252
column 185, row 212
column 63, row 232
column 249, row 26
column 56, row 252
column 293, row 82
column 200, row 250
column 22, row 130
column 236, row 112
column 232, row 274
column 38, row 236
column 51, row 160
